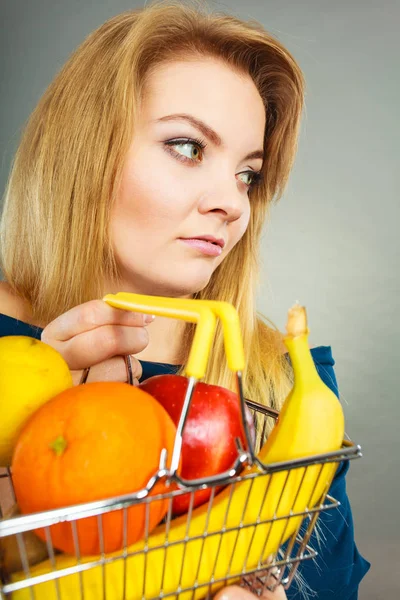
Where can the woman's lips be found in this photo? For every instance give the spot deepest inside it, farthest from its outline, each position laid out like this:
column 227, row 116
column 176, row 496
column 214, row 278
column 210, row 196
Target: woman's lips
column 207, row 248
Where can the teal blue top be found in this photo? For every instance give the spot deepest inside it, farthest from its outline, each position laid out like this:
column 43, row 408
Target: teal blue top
column 336, row 572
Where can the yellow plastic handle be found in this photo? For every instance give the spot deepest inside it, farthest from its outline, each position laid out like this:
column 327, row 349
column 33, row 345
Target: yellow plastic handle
column 232, row 333
column 177, row 308
column 202, row 312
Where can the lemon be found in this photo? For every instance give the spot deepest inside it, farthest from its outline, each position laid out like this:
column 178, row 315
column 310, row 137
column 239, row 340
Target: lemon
column 31, row 372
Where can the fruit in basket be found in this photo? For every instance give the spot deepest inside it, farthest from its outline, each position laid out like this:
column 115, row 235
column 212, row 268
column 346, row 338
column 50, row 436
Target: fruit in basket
column 311, row 423
column 31, row 372
column 10, row 557
column 213, row 423
column 92, row 442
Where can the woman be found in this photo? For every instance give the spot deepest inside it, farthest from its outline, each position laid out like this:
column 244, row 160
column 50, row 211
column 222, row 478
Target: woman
column 149, row 166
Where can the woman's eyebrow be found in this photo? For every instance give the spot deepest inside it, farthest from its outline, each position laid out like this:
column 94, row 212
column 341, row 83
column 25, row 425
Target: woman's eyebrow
column 207, row 131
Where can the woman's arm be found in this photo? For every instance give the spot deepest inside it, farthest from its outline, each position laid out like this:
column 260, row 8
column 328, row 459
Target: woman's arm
column 338, row 569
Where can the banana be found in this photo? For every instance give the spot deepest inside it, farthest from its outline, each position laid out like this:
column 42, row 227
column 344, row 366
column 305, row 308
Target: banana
column 243, row 526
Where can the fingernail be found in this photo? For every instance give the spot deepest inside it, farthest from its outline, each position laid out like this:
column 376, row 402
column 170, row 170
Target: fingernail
column 149, row 319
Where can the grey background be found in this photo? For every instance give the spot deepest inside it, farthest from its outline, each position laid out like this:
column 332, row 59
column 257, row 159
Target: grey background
column 333, row 241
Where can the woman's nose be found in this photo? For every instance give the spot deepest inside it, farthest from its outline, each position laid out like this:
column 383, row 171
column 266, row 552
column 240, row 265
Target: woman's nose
column 229, row 199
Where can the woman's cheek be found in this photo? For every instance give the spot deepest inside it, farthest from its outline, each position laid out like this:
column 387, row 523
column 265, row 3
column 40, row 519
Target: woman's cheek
column 243, row 225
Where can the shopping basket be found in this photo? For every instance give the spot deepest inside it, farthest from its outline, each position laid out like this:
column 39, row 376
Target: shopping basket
column 111, row 576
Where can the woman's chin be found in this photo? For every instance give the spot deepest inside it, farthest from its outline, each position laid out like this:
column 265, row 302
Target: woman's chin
column 184, row 288
column 172, row 283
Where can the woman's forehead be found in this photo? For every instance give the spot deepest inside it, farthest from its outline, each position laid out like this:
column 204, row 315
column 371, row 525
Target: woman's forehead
column 209, row 90
column 211, row 75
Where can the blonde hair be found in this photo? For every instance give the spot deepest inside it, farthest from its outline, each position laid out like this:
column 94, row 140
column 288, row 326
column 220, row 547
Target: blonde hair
column 55, row 246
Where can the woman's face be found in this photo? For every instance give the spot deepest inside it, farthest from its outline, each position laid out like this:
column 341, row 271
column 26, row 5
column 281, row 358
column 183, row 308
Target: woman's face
column 187, row 177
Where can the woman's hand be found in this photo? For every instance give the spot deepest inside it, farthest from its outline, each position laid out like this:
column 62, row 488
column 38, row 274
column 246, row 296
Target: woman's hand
column 97, row 335
column 234, row 592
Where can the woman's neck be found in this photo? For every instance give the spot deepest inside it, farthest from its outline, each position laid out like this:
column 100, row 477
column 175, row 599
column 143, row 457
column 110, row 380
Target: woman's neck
column 165, row 341
column 166, row 335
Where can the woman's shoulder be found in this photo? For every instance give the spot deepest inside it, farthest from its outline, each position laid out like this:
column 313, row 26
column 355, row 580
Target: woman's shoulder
column 323, row 360
column 324, row 363
column 323, row 355
column 15, row 315
column 11, row 304
column 320, row 354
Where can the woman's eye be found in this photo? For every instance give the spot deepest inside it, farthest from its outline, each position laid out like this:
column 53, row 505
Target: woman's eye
column 188, row 149
column 255, row 177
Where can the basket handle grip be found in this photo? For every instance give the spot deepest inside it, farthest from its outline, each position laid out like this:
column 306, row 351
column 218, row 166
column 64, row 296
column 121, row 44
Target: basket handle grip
column 202, row 312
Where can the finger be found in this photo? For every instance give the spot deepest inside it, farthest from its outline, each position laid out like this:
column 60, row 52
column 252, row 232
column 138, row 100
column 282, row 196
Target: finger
column 278, row 594
column 98, row 345
column 234, row 592
column 113, row 369
column 262, row 580
column 89, row 316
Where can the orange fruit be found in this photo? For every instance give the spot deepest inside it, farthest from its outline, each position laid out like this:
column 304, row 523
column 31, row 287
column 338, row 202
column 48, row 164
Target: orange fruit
column 93, row 442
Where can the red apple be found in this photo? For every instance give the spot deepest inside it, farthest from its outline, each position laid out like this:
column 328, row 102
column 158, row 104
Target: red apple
column 213, row 423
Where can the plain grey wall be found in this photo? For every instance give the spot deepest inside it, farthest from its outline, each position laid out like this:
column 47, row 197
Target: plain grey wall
column 333, row 241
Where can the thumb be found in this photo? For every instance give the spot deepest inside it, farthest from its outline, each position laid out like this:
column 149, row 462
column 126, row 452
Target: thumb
column 278, row 594
column 234, row 592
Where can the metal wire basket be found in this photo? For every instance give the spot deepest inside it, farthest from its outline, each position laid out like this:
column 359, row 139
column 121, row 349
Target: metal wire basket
column 112, row 577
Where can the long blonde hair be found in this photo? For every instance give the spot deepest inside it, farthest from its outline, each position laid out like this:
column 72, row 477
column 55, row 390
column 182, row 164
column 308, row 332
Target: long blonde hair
column 55, row 245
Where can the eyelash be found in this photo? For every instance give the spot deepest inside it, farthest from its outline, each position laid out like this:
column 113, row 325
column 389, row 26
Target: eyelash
column 200, row 143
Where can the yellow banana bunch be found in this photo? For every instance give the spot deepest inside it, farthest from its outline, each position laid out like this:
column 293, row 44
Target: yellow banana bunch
column 311, row 422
